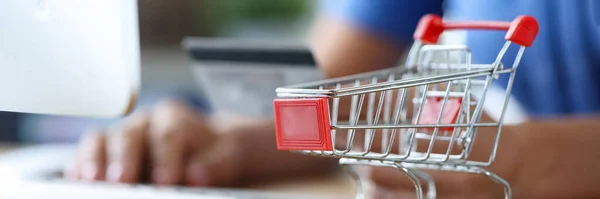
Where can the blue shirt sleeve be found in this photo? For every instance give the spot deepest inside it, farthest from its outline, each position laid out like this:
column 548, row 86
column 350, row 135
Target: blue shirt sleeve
column 392, row 20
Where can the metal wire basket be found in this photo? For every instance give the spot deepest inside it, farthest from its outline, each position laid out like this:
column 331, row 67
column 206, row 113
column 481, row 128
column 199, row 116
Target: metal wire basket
column 423, row 115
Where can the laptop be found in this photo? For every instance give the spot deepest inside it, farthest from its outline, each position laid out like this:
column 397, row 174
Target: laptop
column 76, row 58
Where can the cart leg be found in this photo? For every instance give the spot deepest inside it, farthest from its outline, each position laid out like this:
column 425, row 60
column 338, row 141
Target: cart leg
column 413, row 177
column 499, row 180
column 360, row 191
column 431, row 190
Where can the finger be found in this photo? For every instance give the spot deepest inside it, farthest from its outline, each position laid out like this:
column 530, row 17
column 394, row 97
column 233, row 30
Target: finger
column 91, row 161
column 168, row 143
column 213, row 166
column 126, row 150
column 71, row 170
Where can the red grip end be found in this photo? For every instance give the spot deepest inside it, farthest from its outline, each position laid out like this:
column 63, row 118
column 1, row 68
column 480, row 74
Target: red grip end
column 523, row 31
column 303, row 124
column 429, row 29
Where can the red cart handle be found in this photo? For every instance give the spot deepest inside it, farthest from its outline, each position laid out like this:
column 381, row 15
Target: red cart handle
column 522, row 30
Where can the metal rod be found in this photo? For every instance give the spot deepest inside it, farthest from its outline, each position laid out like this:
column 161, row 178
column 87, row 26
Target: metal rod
column 389, row 87
column 352, row 131
column 397, row 115
column 351, row 116
column 436, row 130
column 370, row 112
column 444, row 77
column 372, row 135
column 460, row 117
column 506, row 99
column 334, row 119
column 418, row 116
column 387, row 114
column 383, row 126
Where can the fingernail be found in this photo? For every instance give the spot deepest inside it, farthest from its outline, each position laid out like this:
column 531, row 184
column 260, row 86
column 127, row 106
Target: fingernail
column 160, row 176
column 89, row 171
column 198, row 176
column 114, row 173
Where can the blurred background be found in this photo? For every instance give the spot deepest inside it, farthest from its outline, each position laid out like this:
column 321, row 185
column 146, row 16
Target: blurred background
column 166, row 66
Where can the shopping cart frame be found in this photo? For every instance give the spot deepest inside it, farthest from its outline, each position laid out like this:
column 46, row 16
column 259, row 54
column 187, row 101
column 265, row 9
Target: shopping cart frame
column 324, row 95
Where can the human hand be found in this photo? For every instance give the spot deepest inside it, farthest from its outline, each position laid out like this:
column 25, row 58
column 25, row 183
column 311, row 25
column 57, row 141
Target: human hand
column 169, row 145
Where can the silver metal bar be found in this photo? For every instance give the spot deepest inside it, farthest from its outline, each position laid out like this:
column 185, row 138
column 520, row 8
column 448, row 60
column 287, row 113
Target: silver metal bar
column 351, row 117
column 352, row 131
column 499, row 180
column 418, row 116
column 466, row 98
column 411, row 58
column 334, row 118
column 416, row 181
column 387, row 114
column 362, row 91
column 349, row 78
column 439, row 137
column 450, row 66
column 416, row 80
column 498, row 61
column 468, row 88
column 400, row 126
column 372, row 135
column 464, row 81
column 300, row 95
column 360, row 190
column 298, row 92
column 431, row 190
column 471, row 129
column 472, row 133
column 506, row 99
column 443, row 93
column 397, row 116
column 439, row 119
column 304, row 91
column 321, row 88
column 370, row 112
column 445, row 48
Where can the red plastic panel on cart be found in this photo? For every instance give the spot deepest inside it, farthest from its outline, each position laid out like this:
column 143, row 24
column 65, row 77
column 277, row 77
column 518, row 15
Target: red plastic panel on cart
column 302, row 124
column 433, row 107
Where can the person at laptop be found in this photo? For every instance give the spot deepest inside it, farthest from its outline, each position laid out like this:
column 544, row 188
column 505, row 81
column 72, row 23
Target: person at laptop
column 550, row 155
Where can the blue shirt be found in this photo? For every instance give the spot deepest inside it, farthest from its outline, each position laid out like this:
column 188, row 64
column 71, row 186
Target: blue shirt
column 559, row 74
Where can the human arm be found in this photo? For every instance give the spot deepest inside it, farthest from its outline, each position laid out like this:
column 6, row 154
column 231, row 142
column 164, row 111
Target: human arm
column 358, row 36
column 541, row 158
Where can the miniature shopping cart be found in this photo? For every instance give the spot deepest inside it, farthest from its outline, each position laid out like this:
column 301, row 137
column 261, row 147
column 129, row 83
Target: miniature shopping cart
column 425, row 115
